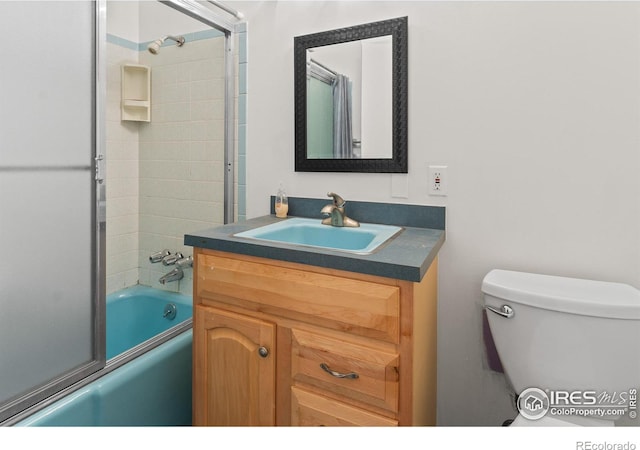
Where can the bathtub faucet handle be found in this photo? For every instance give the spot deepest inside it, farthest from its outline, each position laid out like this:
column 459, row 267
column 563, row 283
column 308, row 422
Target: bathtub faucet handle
column 185, row 262
column 170, row 260
column 159, row 256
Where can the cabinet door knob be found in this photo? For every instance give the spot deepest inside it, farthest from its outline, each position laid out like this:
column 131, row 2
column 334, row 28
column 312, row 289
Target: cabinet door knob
column 263, row 352
column 333, row 373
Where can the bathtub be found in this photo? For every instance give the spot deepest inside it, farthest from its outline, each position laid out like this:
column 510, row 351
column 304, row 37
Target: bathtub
column 152, row 389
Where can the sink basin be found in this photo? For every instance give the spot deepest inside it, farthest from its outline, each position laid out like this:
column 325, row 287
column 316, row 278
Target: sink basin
column 310, row 232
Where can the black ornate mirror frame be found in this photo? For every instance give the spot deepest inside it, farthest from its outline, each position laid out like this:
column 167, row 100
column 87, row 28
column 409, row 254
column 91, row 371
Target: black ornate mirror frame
column 398, row 163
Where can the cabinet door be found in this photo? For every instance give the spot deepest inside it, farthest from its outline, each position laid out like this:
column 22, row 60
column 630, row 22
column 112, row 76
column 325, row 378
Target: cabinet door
column 234, row 369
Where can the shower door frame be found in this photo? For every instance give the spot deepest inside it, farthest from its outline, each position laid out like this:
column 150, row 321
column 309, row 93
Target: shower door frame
column 39, row 396
column 49, row 394
column 205, row 15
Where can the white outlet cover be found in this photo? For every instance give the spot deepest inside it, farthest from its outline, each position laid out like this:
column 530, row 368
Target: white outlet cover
column 438, row 180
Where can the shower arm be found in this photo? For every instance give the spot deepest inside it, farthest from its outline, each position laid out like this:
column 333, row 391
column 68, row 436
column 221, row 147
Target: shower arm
column 179, row 40
column 154, row 47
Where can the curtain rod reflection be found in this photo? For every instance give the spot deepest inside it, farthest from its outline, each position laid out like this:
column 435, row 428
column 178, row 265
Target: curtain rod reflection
column 332, row 72
column 320, row 72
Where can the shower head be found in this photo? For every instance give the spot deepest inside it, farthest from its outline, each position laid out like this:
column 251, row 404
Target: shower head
column 154, row 47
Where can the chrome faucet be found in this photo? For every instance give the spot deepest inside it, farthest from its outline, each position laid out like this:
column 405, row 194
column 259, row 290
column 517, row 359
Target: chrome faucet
column 159, row 256
column 185, row 262
column 170, row 260
column 178, row 273
column 335, row 211
column 174, row 275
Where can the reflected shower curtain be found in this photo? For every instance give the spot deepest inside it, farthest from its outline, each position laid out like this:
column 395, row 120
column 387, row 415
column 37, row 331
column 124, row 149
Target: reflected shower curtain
column 342, row 131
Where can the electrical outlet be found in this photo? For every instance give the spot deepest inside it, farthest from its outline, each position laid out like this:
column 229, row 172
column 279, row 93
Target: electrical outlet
column 438, row 180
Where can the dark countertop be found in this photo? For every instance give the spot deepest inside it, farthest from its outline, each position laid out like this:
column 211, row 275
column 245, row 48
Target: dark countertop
column 407, row 256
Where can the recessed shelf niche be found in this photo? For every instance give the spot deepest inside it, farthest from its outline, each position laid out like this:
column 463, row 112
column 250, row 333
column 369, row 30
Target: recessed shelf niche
column 136, row 93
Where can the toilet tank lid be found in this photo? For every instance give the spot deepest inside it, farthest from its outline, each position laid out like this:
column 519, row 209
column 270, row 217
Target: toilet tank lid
column 570, row 295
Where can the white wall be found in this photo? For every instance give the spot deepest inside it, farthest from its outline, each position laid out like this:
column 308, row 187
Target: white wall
column 123, row 19
column 534, row 106
column 158, row 20
column 377, row 98
column 129, row 19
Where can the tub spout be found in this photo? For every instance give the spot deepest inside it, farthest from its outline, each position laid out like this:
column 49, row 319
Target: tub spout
column 174, row 275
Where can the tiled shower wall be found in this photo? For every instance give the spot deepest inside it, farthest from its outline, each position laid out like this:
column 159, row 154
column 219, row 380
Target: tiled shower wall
column 181, row 152
column 121, row 179
column 166, row 178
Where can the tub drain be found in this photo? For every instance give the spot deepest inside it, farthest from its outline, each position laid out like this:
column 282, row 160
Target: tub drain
column 170, row 311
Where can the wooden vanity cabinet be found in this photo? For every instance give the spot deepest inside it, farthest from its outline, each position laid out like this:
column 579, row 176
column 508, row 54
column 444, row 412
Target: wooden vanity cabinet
column 234, row 369
column 278, row 343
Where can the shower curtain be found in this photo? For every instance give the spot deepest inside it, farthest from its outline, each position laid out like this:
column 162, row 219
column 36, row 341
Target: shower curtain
column 342, row 119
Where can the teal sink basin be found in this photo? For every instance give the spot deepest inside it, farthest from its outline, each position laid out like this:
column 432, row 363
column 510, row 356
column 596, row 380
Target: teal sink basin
column 310, row 232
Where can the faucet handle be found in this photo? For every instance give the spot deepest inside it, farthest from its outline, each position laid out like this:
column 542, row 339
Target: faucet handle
column 170, row 260
column 159, row 256
column 337, row 200
column 185, row 262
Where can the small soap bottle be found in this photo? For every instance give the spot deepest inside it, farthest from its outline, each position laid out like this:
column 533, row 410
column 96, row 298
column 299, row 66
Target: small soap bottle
column 282, row 204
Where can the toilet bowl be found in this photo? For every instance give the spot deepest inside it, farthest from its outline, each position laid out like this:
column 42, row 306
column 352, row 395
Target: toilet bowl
column 570, row 348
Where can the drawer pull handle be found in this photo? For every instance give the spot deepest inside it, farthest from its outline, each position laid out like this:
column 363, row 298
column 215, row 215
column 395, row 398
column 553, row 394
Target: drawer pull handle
column 333, row 373
column 263, row 352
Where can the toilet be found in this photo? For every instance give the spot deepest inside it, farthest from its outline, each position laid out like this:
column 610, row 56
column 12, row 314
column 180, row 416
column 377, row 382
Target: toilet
column 567, row 346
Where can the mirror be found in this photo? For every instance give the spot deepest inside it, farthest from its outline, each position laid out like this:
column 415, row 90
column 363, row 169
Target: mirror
column 351, row 99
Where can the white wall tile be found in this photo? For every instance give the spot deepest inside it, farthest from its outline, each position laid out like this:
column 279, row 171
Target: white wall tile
column 164, row 178
column 121, row 181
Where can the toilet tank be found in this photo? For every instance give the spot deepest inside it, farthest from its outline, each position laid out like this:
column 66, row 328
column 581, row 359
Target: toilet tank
column 565, row 333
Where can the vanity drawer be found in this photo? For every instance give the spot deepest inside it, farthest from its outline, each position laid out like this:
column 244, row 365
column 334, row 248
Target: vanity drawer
column 351, row 370
column 309, row 410
column 346, row 304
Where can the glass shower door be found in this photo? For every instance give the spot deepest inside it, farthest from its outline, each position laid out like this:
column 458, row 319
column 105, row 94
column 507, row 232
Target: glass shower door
column 51, row 313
